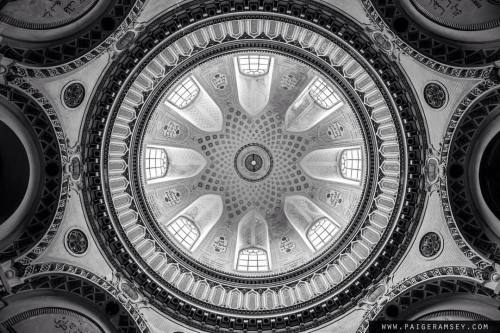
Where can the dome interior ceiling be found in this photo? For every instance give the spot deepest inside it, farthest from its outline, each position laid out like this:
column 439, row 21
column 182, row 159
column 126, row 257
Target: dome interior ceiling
column 248, row 165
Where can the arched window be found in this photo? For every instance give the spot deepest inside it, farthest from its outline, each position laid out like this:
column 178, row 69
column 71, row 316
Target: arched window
column 254, row 64
column 252, row 260
column 155, row 163
column 350, row 164
column 184, row 231
column 323, row 94
column 184, row 93
column 321, row 233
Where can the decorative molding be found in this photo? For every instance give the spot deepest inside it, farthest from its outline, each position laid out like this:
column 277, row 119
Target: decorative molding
column 351, row 34
column 435, row 95
column 472, row 97
column 44, row 105
column 455, row 71
column 112, row 288
column 430, row 244
column 76, row 242
column 73, row 95
column 104, row 46
column 474, row 275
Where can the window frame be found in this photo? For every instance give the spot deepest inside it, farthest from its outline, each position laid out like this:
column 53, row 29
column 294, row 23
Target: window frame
column 186, row 95
column 323, row 241
column 253, row 72
column 317, row 93
column 147, row 163
column 357, row 167
column 188, row 234
column 246, row 267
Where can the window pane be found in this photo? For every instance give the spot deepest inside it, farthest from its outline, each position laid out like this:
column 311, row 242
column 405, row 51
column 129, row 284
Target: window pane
column 155, row 163
column 323, row 94
column 252, row 260
column 184, row 231
column 254, row 65
column 184, row 93
column 351, row 164
column 321, row 233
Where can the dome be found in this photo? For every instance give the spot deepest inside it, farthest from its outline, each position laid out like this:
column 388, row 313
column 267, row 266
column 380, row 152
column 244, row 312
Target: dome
column 254, row 165
column 233, row 155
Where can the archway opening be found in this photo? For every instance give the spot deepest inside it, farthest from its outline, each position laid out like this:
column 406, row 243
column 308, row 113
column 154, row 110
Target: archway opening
column 489, row 177
column 14, row 172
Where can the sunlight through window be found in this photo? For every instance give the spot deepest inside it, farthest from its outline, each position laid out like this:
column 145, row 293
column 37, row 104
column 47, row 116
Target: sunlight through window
column 254, row 65
column 155, row 163
column 350, row 164
column 184, row 93
column 184, row 231
column 323, row 94
column 252, row 260
column 321, row 233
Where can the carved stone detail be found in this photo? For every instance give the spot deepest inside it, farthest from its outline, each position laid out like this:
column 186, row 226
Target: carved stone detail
column 73, row 95
column 77, row 242
column 430, row 244
column 435, row 95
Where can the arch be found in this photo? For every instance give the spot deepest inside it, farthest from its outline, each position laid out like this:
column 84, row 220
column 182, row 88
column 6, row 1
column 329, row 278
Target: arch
column 350, row 164
column 252, row 259
column 184, row 93
column 155, row 163
column 184, row 231
column 254, row 64
column 253, row 244
column 323, row 94
column 321, row 233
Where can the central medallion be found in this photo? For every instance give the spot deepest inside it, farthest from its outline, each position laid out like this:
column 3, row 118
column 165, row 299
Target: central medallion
column 253, row 162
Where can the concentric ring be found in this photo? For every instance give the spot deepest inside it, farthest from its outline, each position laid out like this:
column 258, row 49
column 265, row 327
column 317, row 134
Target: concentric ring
column 227, row 297
column 253, row 162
